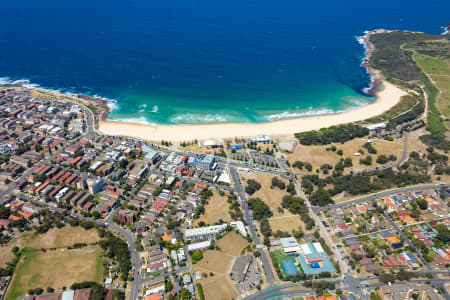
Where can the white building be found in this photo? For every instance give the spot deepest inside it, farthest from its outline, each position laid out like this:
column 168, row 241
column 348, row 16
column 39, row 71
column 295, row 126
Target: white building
column 376, row 126
column 198, row 246
column 239, row 226
column 181, row 255
column 210, row 232
column 290, row 245
column 204, row 233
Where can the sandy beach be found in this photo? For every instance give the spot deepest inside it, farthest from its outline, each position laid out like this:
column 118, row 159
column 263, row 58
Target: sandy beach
column 386, row 98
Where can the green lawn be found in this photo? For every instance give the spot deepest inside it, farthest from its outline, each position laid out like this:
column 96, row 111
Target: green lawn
column 438, row 69
column 432, row 65
column 278, row 256
column 443, row 101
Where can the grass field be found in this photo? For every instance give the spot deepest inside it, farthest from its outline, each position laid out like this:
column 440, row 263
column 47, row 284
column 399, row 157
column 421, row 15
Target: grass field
column 272, row 197
column 437, row 67
column 279, row 256
column 439, row 71
column 287, row 224
column 216, row 209
column 56, row 269
column 232, row 243
column 317, row 155
column 61, row 237
column 6, row 255
column 215, row 261
column 218, row 288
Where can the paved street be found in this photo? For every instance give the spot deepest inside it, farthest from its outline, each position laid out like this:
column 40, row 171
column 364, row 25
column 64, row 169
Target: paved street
column 374, row 196
column 264, row 259
column 347, row 280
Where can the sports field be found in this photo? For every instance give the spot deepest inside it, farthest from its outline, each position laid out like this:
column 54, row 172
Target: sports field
column 55, row 268
column 46, row 260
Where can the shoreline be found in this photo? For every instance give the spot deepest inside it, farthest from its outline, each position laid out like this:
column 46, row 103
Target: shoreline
column 387, row 96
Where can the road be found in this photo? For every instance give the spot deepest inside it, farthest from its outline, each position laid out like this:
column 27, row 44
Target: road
column 350, row 282
column 355, row 285
column 265, row 261
column 374, row 196
column 338, row 256
column 390, row 228
column 405, row 238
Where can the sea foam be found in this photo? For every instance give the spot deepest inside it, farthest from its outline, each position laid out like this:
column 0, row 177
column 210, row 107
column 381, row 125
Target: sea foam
column 200, row 118
column 293, row 114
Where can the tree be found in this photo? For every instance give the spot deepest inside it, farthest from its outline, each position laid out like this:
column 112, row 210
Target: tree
column 185, row 294
column 321, row 197
column 252, row 186
column 291, row 189
column 298, row 164
column 266, row 230
column 259, row 208
column 366, row 161
column 405, row 275
column 382, row 159
column 5, row 212
column 337, row 134
column 348, row 162
column 387, row 277
column 423, row 204
column 443, row 233
column 168, row 285
column 298, row 234
column 197, row 255
column 278, row 183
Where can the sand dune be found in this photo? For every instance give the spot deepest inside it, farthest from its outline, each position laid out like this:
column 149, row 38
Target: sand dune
column 386, row 98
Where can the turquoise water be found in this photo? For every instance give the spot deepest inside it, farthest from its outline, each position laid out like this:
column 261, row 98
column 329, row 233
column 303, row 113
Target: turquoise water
column 170, row 62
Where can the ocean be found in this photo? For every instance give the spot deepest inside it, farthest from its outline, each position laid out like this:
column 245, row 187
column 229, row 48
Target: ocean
column 199, row 61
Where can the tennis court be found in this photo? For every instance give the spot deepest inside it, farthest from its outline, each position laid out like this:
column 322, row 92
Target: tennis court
column 289, row 267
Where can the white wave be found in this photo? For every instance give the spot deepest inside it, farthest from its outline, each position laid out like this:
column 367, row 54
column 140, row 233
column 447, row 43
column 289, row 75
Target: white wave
column 155, row 109
column 141, row 110
column 200, row 118
column 4, row 80
column 356, row 101
column 26, row 83
column 112, row 104
column 362, row 40
column 291, row 115
column 143, row 106
column 21, row 82
column 140, row 120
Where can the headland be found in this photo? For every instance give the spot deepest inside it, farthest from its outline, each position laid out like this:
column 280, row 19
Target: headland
column 387, row 95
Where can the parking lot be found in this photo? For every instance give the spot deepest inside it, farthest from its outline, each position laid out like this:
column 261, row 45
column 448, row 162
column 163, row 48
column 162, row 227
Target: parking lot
column 250, row 280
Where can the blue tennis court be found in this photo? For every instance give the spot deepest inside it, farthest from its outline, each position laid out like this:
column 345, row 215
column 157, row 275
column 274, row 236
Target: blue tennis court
column 289, row 267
